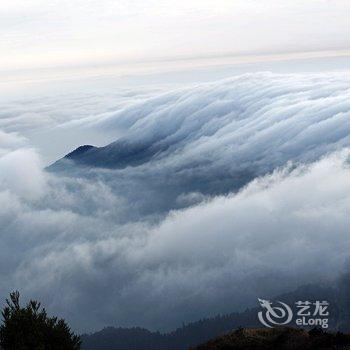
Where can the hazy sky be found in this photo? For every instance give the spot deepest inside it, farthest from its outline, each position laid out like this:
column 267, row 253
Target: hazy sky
column 41, row 33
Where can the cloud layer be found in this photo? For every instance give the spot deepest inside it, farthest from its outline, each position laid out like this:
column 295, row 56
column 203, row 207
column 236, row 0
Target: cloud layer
column 215, row 138
column 176, row 237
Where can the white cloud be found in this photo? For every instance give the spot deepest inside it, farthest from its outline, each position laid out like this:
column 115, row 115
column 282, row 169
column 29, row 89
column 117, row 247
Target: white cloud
column 21, row 172
column 11, row 140
column 214, row 257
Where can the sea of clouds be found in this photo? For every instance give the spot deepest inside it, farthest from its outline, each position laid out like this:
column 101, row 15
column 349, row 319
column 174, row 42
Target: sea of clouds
column 241, row 191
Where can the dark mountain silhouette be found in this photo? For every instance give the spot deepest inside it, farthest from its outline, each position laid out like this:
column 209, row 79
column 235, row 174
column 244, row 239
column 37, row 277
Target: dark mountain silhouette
column 199, row 332
column 77, row 153
column 116, row 155
column 146, row 166
column 183, row 338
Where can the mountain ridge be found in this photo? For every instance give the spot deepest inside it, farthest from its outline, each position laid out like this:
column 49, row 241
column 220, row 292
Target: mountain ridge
column 193, row 334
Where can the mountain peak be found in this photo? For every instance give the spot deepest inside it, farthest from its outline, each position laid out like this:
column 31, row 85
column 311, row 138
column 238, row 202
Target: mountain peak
column 78, row 151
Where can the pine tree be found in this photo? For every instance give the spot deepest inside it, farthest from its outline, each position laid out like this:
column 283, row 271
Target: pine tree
column 30, row 328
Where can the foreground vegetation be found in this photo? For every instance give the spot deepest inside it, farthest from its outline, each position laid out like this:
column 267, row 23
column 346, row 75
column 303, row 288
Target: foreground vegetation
column 279, row 339
column 29, row 328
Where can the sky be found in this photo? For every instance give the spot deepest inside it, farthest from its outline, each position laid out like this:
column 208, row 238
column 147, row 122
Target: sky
column 40, row 34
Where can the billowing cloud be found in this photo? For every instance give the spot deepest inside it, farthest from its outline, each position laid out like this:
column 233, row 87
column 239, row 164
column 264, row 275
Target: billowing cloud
column 215, row 138
column 21, row 172
column 9, row 141
column 177, row 234
column 57, row 123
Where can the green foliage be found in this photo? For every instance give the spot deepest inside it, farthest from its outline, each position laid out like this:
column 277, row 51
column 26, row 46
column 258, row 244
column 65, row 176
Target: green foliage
column 29, row 328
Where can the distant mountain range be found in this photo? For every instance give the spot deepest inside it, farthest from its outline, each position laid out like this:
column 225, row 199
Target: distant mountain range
column 190, row 335
column 196, row 333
